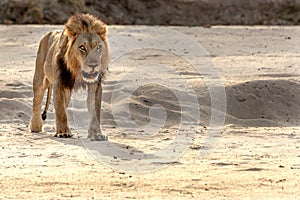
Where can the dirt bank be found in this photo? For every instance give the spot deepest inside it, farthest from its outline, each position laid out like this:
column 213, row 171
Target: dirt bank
column 155, row 12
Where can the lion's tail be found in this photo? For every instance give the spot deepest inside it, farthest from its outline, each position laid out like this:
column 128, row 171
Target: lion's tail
column 44, row 115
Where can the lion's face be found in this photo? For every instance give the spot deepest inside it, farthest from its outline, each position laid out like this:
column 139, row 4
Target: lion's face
column 89, row 48
column 84, row 47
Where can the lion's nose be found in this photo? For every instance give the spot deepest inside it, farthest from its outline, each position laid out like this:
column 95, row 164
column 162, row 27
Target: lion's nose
column 93, row 67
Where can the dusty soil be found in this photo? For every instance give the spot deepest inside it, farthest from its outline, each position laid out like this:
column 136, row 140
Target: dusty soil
column 155, row 12
column 256, row 156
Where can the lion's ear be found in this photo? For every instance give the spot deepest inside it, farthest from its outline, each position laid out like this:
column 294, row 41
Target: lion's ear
column 103, row 32
column 67, row 32
column 63, row 39
column 100, row 28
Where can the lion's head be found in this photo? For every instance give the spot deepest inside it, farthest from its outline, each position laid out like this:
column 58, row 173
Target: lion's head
column 85, row 47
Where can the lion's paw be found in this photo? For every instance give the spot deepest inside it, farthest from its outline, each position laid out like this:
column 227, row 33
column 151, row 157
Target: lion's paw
column 36, row 125
column 63, row 135
column 99, row 137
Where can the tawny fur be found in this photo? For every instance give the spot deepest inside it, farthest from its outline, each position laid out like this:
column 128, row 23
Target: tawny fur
column 74, row 58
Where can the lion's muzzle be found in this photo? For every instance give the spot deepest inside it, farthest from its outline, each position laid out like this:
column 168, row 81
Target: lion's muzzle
column 91, row 66
column 90, row 77
column 90, row 73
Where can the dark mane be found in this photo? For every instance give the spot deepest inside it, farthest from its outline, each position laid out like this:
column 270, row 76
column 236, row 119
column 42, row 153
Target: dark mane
column 66, row 78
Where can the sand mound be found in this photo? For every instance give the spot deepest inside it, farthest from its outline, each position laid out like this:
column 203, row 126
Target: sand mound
column 254, row 103
column 15, row 103
column 263, row 103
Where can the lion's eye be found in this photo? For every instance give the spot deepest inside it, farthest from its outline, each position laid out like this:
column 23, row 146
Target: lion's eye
column 99, row 47
column 82, row 48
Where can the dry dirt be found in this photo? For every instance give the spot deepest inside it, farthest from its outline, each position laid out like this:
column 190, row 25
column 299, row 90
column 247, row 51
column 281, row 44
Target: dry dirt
column 257, row 156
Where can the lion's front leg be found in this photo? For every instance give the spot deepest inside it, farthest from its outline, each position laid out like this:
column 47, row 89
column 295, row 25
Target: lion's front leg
column 61, row 97
column 94, row 109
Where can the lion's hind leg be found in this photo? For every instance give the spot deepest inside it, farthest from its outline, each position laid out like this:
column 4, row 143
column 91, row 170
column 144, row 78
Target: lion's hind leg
column 40, row 84
column 39, row 88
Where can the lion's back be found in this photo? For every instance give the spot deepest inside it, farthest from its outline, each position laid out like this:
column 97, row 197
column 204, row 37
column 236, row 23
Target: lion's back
column 48, row 47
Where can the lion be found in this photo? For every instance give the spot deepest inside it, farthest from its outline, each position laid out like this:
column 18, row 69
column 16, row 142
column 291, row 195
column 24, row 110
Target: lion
column 68, row 60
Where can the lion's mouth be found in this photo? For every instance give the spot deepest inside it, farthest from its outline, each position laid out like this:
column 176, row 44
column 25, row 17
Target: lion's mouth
column 90, row 77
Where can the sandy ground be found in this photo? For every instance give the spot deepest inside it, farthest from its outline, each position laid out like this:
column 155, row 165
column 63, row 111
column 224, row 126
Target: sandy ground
column 256, row 156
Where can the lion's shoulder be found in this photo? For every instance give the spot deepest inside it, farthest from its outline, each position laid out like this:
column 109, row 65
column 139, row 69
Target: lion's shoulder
column 49, row 39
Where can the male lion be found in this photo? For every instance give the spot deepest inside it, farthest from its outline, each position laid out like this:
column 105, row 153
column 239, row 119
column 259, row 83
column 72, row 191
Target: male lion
column 75, row 58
